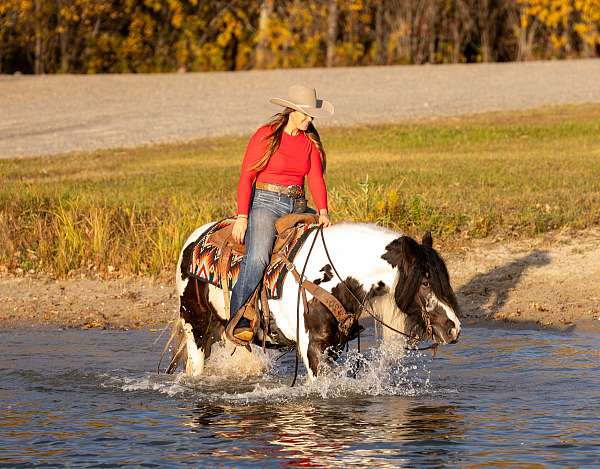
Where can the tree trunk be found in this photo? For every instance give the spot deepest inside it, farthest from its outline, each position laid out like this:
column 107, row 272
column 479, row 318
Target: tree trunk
column 485, row 45
column 38, row 66
column 421, row 35
column 63, row 40
column 484, row 38
column 523, row 52
column 266, row 10
column 488, row 15
column 380, row 33
column 431, row 27
column 332, row 23
column 457, row 39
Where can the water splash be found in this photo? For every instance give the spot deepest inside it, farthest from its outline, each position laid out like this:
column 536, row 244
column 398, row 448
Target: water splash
column 250, row 378
column 228, row 361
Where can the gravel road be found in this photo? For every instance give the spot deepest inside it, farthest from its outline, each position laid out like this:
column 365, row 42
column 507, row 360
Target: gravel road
column 53, row 114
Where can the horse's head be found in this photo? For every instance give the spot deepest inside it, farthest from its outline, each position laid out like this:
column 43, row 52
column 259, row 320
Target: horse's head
column 423, row 290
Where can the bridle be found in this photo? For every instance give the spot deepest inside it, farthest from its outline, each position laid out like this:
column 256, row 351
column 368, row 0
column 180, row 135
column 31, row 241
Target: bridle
column 426, row 317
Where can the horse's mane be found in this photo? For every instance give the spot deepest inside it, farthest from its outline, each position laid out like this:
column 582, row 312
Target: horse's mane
column 438, row 275
column 414, row 262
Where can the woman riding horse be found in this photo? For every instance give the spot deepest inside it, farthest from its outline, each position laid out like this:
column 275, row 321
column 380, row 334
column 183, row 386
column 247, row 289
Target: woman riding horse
column 279, row 156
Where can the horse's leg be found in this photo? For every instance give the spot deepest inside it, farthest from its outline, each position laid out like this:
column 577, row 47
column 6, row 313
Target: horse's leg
column 200, row 326
column 322, row 334
column 323, row 330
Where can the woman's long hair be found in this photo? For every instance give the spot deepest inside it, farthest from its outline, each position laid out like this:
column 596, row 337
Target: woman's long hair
column 278, row 123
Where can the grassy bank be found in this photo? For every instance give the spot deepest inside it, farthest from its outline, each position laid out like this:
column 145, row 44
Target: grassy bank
column 502, row 174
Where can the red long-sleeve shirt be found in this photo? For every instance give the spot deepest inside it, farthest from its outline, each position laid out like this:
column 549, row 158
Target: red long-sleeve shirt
column 296, row 157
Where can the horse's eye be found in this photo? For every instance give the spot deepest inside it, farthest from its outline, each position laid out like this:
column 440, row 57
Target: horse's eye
column 425, row 283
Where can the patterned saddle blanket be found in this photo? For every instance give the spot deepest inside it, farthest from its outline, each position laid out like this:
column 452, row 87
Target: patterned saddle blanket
column 209, row 249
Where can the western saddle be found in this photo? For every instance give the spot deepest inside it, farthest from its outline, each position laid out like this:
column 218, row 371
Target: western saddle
column 286, row 231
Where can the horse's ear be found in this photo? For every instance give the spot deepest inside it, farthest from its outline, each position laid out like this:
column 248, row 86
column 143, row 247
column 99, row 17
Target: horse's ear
column 427, row 239
column 401, row 250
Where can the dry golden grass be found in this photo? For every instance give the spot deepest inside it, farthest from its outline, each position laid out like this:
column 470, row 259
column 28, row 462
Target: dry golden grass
column 501, row 174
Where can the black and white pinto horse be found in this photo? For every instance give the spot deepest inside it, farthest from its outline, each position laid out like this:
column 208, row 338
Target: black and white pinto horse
column 405, row 284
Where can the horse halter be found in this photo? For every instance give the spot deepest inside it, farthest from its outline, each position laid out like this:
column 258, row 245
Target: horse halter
column 425, row 315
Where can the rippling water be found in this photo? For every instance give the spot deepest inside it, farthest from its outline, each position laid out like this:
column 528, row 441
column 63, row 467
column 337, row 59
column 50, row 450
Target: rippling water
column 498, row 398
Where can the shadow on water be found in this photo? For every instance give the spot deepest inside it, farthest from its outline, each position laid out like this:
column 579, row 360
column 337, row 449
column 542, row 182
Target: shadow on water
column 336, row 433
column 489, row 291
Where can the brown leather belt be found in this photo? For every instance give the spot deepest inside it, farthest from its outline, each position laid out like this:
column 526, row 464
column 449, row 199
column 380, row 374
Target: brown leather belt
column 293, row 192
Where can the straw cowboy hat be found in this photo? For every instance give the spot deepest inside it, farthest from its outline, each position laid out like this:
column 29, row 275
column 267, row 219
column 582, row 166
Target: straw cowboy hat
column 304, row 99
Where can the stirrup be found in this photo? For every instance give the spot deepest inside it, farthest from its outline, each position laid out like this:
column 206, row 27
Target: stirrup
column 244, row 333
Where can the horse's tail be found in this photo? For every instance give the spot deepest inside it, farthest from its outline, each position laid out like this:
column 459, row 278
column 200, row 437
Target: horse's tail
column 177, row 338
column 177, row 342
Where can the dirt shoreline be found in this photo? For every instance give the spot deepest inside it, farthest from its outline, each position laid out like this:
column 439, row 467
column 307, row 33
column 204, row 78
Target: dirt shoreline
column 551, row 281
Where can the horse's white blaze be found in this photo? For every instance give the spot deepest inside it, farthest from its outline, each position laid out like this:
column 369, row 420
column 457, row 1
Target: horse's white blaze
column 434, row 301
column 455, row 331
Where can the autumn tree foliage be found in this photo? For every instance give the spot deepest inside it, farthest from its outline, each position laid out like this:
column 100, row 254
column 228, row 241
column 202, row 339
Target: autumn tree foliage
column 94, row 36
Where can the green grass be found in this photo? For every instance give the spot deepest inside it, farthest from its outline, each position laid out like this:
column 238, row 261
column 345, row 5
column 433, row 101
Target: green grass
column 501, row 174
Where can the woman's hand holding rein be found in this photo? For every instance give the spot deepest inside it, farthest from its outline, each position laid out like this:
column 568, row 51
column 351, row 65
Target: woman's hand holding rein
column 324, row 218
column 239, row 228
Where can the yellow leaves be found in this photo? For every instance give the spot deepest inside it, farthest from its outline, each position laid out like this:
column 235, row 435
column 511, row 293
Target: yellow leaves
column 208, row 57
column 590, row 10
column 176, row 20
column 549, row 12
column 243, row 61
column 559, row 17
column 558, row 41
column 167, row 35
column 7, row 5
column 588, row 27
column 279, row 35
column 356, row 5
column 155, row 5
column 350, row 53
column 230, row 28
column 176, row 10
column 181, row 52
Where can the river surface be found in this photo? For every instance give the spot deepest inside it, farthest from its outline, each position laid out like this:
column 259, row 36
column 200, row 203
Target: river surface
column 499, row 398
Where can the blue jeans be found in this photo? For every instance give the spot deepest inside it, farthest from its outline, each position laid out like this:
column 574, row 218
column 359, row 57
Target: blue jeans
column 266, row 207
